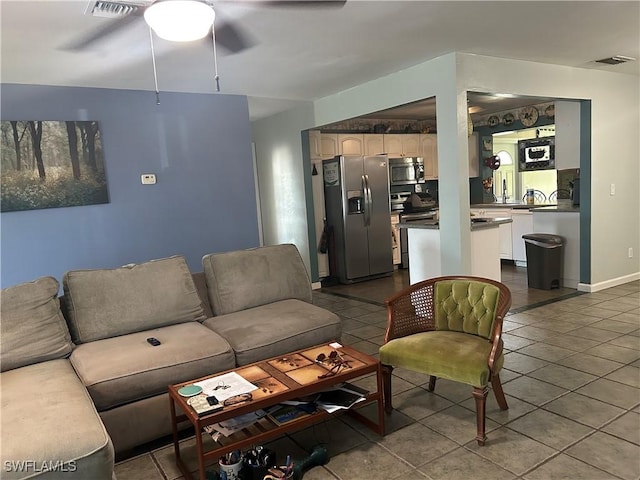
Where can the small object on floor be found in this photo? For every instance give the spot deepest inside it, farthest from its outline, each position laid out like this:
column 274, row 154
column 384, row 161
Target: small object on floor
column 212, row 475
column 231, row 466
column 319, row 456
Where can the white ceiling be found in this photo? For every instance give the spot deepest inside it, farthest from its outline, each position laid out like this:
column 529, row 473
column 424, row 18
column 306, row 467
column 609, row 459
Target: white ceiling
column 304, row 54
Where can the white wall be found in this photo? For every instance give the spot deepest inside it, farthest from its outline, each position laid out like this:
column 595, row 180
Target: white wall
column 281, row 178
column 615, row 224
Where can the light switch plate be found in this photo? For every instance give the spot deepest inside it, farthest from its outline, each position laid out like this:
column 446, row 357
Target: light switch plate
column 148, row 178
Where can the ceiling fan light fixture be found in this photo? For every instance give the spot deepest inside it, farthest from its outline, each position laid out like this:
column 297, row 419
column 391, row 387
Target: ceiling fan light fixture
column 180, row 20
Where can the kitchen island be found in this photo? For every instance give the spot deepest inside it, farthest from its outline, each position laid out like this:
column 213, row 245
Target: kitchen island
column 424, row 248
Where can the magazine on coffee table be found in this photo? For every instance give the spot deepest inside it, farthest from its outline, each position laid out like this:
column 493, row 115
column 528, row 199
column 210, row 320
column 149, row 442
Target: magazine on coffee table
column 282, row 413
column 342, row 397
column 226, row 386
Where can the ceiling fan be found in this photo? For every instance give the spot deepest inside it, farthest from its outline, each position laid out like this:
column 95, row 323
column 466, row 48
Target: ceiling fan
column 228, row 35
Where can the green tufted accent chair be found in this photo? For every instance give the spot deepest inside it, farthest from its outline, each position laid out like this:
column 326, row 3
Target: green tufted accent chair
column 449, row 327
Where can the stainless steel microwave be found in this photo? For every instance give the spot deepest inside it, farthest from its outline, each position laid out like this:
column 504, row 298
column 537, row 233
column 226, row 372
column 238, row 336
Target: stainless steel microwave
column 406, row 171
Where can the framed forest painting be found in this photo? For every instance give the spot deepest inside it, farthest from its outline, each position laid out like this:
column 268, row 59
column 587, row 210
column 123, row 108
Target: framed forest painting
column 49, row 164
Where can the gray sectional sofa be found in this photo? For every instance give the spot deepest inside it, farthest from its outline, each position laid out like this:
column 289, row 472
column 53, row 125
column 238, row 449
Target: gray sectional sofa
column 76, row 387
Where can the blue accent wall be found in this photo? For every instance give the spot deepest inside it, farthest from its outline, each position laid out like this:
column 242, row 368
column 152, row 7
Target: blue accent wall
column 199, row 147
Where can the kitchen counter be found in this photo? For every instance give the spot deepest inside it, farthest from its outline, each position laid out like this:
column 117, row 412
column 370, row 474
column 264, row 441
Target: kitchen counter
column 425, row 259
column 558, row 209
column 476, row 223
column 523, row 206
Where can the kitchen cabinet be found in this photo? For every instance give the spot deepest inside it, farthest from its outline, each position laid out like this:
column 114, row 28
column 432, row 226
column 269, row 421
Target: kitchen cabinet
column 373, row 144
column 425, row 253
column 322, row 145
column 474, row 156
column 328, row 145
column 521, row 225
column 350, row 144
column 429, row 153
column 402, row 145
column 505, row 246
column 315, row 150
column 395, row 238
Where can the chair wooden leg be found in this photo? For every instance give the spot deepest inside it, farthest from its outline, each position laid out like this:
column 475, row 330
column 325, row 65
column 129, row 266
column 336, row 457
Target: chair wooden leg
column 497, row 390
column 386, row 387
column 432, row 383
column 480, row 395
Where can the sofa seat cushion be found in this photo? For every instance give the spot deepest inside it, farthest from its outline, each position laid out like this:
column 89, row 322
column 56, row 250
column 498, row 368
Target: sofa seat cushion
column 276, row 329
column 108, row 302
column 32, row 329
column 50, row 422
column 124, row 369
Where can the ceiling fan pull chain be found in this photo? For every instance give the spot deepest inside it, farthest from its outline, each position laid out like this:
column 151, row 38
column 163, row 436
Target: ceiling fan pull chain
column 155, row 72
column 215, row 58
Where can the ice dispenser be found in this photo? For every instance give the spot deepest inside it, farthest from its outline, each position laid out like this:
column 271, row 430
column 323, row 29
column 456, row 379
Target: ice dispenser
column 355, row 202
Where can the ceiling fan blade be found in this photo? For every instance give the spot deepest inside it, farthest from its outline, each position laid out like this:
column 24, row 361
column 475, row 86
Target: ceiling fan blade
column 304, row 3
column 102, row 32
column 233, row 38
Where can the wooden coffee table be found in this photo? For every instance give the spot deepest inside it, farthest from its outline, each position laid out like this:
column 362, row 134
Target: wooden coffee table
column 278, row 379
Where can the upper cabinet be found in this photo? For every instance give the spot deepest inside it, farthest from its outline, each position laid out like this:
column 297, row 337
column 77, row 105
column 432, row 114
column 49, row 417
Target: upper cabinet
column 329, row 145
column 474, row 156
column 402, row 145
column 315, row 137
column 374, row 144
column 425, row 145
column 429, row 153
column 350, row 144
column 323, row 145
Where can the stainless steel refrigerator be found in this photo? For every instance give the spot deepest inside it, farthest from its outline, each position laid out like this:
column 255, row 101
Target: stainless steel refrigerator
column 356, row 194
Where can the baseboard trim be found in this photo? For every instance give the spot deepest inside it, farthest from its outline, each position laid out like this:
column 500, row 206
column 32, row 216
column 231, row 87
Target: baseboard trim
column 614, row 282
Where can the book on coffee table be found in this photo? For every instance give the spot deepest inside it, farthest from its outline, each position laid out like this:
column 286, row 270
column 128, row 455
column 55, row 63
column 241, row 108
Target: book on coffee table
column 332, row 399
column 282, row 414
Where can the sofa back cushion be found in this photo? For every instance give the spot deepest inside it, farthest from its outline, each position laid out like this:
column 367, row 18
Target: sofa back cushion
column 105, row 303
column 249, row 278
column 32, row 328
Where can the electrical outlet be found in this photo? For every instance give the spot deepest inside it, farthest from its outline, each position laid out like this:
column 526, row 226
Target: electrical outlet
column 630, row 252
column 612, row 189
column 148, row 179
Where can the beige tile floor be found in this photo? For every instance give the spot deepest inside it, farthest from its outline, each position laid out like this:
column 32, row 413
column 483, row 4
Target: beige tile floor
column 571, row 378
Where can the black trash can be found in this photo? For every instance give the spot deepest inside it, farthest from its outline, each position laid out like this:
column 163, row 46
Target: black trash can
column 544, row 260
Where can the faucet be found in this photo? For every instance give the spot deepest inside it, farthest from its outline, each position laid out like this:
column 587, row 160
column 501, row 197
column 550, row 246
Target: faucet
column 504, row 190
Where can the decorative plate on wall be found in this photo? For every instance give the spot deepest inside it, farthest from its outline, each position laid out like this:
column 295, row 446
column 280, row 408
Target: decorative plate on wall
column 528, row 116
column 493, row 120
column 508, row 118
column 550, row 111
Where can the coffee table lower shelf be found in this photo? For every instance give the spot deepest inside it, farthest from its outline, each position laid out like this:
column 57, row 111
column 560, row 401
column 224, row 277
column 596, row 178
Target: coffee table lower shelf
column 263, row 430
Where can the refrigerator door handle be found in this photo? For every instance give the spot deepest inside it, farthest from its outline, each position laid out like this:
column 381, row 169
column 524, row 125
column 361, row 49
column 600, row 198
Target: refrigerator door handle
column 367, row 200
